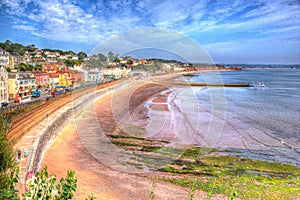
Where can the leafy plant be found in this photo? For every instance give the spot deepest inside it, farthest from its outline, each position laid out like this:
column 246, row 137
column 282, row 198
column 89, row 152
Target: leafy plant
column 92, row 197
column 233, row 195
column 152, row 195
column 43, row 186
column 8, row 190
column 193, row 188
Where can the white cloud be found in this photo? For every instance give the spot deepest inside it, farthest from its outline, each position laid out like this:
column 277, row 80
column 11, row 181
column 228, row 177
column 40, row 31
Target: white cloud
column 157, row 39
column 13, row 7
column 24, row 27
column 67, row 21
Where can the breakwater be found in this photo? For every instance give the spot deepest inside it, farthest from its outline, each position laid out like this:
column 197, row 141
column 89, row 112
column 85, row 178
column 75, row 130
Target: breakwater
column 205, row 84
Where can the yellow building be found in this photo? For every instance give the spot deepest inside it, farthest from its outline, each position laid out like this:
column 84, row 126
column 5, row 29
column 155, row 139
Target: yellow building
column 11, row 62
column 65, row 79
column 21, row 84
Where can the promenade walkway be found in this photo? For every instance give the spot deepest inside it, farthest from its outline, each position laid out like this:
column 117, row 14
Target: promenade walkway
column 29, row 142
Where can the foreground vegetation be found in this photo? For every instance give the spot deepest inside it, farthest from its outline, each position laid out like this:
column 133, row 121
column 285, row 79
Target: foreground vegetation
column 213, row 171
column 40, row 185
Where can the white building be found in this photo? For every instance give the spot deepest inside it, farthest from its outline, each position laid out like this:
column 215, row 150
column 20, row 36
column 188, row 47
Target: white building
column 116, row 72
column 4, row 58
column 75, row 58
column 3, row 85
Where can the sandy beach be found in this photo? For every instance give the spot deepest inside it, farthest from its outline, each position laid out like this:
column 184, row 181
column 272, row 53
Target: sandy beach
column 68, row 152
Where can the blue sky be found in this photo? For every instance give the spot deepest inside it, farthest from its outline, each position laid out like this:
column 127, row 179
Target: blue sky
column 232, row 31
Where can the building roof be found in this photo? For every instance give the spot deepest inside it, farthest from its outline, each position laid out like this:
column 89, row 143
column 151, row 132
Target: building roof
column 14, row 54
column 1, row 49
column 40, row 74
column 54, row 75
column 22, row 75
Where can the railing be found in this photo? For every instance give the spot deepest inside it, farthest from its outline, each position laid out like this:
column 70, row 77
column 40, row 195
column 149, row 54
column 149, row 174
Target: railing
column 12, row 108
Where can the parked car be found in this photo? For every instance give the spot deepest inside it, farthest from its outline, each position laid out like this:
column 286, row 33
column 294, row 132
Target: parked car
column 57, row 92
column 36, row 93
column 4, row 104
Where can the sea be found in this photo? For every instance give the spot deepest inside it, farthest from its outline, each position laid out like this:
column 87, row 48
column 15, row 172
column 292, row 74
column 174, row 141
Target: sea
column 253, row 122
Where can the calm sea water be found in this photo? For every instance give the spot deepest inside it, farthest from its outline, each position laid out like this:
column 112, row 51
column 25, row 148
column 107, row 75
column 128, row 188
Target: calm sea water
column 266, row 120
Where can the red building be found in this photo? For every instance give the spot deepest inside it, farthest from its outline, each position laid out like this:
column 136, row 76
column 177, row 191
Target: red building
column 42, row 80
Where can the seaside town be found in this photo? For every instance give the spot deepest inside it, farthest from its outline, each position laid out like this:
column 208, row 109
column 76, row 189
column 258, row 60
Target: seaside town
column 149, row 100
column 36, row 131
column 28, row 72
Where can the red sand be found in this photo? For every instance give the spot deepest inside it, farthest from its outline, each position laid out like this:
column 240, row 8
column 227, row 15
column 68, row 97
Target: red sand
column 67, row 152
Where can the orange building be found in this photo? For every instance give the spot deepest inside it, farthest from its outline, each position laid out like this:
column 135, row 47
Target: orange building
column 77, row 77
column 55, row 67
column 142, row 61
column 49, row 67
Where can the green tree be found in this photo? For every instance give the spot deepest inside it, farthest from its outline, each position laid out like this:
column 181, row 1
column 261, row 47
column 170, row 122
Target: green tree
column 8, row 42
column 129, row 62
column 8, row 69
column 112, row 57
column 22, row 67
column 81, row 56
column 69, row 63
column 72, row 53
column 157, row 66
column 94, row 62
column 102, row 57
column 38, row 67
column 29, row 67
column 32, row 46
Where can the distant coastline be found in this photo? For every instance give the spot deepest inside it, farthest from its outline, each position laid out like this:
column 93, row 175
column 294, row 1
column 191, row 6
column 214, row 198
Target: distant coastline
column 265, row 66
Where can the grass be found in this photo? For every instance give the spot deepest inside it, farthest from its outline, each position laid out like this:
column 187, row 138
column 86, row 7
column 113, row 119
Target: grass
column 123, row 143
column 249, row 178
column 150, row 148
column 125, row 136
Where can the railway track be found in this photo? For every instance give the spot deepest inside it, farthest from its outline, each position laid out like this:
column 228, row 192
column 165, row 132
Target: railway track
column 33, row 117
column 21, row 124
